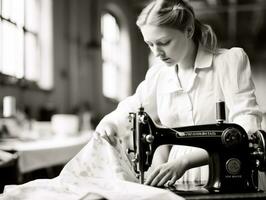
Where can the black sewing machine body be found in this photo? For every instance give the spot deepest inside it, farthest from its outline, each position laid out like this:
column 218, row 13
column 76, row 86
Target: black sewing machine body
column 234, row 158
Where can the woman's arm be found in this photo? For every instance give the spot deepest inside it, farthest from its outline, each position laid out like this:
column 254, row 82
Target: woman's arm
column 234, row 73
column 173, row 170
column 161, row 155
column 116, row 123
column 196, row 158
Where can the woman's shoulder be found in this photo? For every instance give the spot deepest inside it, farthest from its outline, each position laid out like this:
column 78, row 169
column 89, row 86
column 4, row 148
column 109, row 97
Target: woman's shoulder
column 232, row 54
column 225, row 52
column 231, row 61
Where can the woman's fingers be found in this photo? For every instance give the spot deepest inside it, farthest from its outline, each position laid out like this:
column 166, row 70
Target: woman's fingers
column 162, row 174
column 105, row 136
column 164, row 180
column 108, row 134
column 172, row 181
column 111, row 136
column 158, row 178
column 152, row 176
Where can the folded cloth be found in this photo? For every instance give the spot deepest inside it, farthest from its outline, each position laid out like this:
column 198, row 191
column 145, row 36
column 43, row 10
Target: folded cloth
column 98, row 171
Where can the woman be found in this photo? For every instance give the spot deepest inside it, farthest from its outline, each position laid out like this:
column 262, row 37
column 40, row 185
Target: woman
column 183, row 87
column 180, row 90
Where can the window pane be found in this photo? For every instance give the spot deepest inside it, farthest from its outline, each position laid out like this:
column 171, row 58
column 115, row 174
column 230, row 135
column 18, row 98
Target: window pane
column 13, row 10
column 1, row 46
column 110, row 29
column 117, row 54
column 104, row 49
column 7, row 8
column 31, row 58
column 12, row 50
column 20, row 48
column 32, row 15
column 45, row 46
column 110, row 80
column 17, row 14
column 111, row 56
column 110, row 51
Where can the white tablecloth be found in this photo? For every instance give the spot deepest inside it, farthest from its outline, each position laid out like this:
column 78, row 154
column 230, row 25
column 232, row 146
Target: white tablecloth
column 44, row 153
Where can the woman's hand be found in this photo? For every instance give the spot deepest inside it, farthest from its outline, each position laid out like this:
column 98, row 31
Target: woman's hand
column 173, row 170
column 170, row 171
column 107, row 130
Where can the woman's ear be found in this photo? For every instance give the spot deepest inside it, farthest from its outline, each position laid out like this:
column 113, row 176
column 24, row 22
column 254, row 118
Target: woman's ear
column 189, row 32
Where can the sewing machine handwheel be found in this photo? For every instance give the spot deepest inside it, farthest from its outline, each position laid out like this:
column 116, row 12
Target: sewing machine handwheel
column 231, row 137
column 261, row 149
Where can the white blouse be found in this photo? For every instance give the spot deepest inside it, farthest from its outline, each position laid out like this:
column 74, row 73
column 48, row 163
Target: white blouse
column 225, row 75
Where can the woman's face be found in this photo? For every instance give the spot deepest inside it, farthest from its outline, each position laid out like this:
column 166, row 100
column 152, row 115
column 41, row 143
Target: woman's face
column 168, row 44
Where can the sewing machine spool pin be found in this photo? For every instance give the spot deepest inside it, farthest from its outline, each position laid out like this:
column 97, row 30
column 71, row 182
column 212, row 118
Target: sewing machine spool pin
column 220, row 112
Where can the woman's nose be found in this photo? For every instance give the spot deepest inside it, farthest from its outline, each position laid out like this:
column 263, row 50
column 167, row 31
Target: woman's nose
column 158, row 52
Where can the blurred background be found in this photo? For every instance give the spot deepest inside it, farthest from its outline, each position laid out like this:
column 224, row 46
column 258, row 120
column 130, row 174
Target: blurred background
column 65, row 54
column 65, row 58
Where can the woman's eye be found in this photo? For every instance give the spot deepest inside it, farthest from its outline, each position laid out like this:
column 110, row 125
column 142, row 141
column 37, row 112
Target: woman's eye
column 150, row 44
column 164, row 43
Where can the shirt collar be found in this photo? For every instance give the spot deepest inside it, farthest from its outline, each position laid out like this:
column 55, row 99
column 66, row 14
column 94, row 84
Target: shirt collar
column 203, row 58
column 169, row 80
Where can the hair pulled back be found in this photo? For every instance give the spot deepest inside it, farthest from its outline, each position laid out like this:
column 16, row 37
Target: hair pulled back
column 177, row 14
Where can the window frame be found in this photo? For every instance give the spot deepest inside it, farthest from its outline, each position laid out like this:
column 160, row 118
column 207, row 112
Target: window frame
column 110, row 61
column 23, row 82
column 124, row 67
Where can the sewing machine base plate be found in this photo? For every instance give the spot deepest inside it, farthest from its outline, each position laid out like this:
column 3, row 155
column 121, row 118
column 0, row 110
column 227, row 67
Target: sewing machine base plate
column 188, row 189
column 198, row 192
column 225, row 196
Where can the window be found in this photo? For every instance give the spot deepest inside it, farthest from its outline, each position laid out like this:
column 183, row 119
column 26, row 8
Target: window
column 116, row 70
column 21, row 41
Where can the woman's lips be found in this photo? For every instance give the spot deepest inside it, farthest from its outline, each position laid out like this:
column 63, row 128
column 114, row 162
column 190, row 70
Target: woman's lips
column 166, row 60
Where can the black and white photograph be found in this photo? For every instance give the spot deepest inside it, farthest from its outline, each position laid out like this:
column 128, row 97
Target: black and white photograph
column 132, row 99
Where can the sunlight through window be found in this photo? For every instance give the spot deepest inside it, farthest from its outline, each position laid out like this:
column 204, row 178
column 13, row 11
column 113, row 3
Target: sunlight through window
column 21, row 26
column 116, row 68
column 110, row 54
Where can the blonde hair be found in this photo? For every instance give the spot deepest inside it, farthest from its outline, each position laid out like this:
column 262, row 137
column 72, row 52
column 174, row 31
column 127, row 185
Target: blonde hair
column 179, row 15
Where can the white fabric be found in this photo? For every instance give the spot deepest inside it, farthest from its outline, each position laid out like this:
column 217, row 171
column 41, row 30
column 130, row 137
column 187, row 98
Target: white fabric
column 98, row 171
column 163, row 98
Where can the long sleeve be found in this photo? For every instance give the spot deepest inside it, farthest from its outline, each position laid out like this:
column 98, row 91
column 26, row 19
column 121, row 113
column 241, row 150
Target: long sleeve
column 145, row 96
column 238, row 88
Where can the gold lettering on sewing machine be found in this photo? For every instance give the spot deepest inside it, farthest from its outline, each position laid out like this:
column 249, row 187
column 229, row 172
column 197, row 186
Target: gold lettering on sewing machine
column 233, row 176
column 201, row 133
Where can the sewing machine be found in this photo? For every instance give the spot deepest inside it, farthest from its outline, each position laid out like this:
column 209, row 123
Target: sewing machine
column 234, row 158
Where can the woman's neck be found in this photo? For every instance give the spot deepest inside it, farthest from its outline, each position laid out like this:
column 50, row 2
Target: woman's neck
column 187, row 64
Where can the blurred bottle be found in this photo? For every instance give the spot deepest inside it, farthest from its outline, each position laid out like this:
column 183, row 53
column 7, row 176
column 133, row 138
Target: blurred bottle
column 9, row 106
